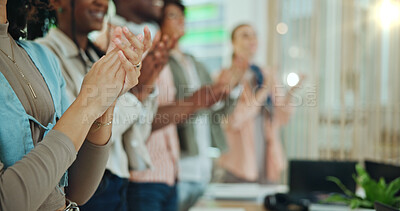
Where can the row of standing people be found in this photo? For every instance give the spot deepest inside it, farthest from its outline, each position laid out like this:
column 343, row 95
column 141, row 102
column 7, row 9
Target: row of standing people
column 161, row 125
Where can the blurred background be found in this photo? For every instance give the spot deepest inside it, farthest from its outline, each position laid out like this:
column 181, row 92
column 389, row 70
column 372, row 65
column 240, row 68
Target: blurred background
column 348, row 108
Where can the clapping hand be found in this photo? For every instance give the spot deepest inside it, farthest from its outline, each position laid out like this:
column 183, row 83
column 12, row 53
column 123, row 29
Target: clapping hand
column 153, row 64
column 116, row 72
column 131, row 49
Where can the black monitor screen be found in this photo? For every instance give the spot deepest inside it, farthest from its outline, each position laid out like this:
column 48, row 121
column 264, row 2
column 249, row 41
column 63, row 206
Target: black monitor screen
column 386, row 171
column 310, row 176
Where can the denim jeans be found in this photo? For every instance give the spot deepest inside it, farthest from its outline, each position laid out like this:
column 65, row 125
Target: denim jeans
column 152, row 197
column 110, row 195
column 189, row 193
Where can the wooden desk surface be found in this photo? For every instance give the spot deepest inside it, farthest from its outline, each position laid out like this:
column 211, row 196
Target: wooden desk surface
column 246, row 205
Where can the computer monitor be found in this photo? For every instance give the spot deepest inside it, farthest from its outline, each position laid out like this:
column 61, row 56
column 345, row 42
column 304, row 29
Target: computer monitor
column 377, row 170
column 306, row 176
column 383, row 207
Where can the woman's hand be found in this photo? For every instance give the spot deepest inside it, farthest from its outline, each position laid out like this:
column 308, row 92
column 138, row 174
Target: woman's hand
column 132, row 49
column 100, row 89
column 103, row 84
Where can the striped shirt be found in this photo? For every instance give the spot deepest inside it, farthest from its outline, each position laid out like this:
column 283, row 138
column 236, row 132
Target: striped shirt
column 163, row 144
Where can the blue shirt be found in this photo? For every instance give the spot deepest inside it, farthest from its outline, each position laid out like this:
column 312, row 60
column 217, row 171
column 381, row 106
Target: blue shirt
column 15, row 134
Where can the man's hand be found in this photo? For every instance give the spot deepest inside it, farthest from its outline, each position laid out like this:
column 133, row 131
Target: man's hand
column 207, row 96
column 153, row 64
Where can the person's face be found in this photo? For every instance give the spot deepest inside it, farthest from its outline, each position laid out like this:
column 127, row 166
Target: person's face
column 89, row 14
column 173, row 22
column 146, row 9
column 245, row 41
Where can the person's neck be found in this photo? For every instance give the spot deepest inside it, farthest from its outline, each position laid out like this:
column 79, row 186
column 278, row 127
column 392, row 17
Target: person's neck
column 177, row 49
column 247, row 57
column 81, row 38
column 3, row 13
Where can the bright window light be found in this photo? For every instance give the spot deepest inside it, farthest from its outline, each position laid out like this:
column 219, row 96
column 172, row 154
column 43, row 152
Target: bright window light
column 292, row 79
column 389, row 13
column 282, row 28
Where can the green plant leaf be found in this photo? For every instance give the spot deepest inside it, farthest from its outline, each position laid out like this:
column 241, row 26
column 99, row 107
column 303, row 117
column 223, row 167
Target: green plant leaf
column 355, row 203
column 393, row 187
column 341, row 186
column 382, row 183
column 334, row 198
column 375, row 191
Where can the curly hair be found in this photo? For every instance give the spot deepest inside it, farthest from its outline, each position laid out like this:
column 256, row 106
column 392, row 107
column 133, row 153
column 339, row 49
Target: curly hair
column 19, row 12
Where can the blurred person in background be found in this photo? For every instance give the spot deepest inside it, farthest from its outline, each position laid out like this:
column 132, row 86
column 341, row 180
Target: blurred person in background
column 132, row 118
column 156, row 189
column 137, row 14
column 255, row 149
column 202, row 129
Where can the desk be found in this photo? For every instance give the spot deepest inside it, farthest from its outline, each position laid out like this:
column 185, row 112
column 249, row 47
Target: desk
column 244, row 197
column 245, row 205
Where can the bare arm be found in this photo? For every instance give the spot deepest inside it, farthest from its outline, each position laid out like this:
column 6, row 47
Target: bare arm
column 181, row 110
column 171, row 114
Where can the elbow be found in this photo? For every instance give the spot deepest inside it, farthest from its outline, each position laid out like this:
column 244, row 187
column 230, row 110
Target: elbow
column 80, row 201
column 80, row 197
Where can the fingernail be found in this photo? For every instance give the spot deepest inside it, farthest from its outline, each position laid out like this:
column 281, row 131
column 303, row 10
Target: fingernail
column 121, row 54
column 117, row 41
column 126, row 30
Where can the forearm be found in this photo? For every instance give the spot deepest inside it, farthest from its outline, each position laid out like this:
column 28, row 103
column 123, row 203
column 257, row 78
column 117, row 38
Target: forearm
column 142, row 91
column 3, row 14
column 76, row 122
column 172, row 114
column 247, row 109
column 28, row 183
column 261, row 95
column 230, row 103
column 86, row 172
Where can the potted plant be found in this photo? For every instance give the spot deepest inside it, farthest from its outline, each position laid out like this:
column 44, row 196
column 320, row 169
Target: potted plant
column 374, row 191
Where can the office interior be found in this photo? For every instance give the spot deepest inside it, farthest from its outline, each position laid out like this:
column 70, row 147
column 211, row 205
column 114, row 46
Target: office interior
column 348, row 106
column 334, row 62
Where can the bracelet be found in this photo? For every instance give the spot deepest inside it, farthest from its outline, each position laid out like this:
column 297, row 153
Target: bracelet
column 99, row 125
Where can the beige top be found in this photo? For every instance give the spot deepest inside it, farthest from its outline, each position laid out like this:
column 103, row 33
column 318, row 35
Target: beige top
column 132, row 119
column 241, row 159
column 41, row 108
column 31, row 183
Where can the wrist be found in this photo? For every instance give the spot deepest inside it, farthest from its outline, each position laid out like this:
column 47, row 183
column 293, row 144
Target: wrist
column 86, row 111
column 100, row 131
column 141, row 92
column 108, row 115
